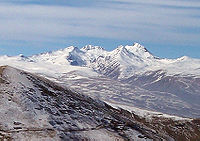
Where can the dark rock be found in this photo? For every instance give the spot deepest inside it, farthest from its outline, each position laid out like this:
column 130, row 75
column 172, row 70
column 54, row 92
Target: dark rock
column 141, row 136
column 16, row 123
column 17, row 127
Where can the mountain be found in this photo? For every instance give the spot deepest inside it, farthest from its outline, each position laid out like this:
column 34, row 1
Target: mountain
column 128, row 60
column 128, row 76
column 35, row 108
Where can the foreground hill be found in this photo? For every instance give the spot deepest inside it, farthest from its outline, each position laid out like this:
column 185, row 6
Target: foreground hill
column 34, row 108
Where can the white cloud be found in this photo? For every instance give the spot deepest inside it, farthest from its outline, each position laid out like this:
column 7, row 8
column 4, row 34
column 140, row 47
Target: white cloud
column 139, row 21
column 177, row 3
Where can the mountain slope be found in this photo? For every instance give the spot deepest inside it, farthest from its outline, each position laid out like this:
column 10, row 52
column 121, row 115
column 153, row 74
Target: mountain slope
column 180, row 101
column 35, row 108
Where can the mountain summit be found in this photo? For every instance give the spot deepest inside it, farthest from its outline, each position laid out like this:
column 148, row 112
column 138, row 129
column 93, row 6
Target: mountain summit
column 140, row 51
column 91, row 47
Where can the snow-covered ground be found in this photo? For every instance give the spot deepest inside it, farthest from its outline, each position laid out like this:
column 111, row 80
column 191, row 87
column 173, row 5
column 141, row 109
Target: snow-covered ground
column 45, row 67
column 145, row 113
column 33, row 108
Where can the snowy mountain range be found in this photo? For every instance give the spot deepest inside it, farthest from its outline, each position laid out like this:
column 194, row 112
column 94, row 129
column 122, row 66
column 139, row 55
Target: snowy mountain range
column 128, row 75
column 126, row 60
column 68, row 94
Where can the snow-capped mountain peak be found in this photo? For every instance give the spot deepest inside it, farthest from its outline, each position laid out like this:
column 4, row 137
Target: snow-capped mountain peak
column 66, row 56
column 66, row 51
column 183, row 58
column 120, row 50
column 139, row 51
column 137, row 45
column 91, row 47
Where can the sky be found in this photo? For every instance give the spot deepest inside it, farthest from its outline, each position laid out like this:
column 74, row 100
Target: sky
column 168, row 29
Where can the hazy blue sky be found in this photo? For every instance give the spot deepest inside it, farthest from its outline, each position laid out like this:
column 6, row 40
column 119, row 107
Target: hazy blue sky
column 169, row 28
